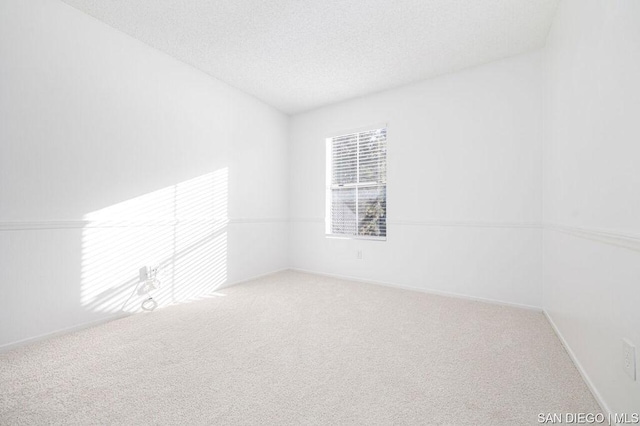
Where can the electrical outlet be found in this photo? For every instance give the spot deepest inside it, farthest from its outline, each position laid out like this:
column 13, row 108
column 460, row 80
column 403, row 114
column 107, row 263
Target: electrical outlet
column 629, row 358
column 359, row 255
column 144, row 274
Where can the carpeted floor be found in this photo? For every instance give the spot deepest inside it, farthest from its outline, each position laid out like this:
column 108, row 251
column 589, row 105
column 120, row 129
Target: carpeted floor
column 295, row 348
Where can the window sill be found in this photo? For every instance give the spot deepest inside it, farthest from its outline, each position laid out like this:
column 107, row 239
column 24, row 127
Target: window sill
column 354, row 237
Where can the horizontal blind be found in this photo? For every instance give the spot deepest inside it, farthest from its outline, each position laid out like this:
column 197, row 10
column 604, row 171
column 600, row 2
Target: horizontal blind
column 344, row 159
column 358, row 184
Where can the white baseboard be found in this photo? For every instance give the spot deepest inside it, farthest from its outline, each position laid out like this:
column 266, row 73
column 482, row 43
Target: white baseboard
column 422, row 290
column 255, row 277
column 14, row 345
column 594, row 391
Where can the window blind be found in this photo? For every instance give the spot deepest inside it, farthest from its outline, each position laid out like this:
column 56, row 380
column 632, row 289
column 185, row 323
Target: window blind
column 357, row 190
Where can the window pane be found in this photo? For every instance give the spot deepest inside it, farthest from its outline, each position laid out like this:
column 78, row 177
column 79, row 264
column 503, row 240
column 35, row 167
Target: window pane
column 343, row 211
column 344, row 157
column 372, row 211
column 373, row 155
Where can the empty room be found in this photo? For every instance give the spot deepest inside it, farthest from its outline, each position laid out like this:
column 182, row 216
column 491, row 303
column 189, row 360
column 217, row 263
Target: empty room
column 306, row 212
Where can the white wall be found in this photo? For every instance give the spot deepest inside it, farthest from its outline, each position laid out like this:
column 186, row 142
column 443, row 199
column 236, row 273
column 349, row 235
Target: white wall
column 591, row 172
column 464, row 195
column 97, row 130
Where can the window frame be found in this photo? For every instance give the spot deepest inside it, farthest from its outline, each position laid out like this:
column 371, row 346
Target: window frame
column 374, row 184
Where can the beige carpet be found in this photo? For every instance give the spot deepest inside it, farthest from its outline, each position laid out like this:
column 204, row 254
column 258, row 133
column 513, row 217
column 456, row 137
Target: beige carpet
column 294, row 348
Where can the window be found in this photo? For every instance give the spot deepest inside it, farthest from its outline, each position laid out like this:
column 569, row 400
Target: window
column 357, row 185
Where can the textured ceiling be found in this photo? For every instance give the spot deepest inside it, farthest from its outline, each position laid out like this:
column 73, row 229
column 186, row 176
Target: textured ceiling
column 300, row 54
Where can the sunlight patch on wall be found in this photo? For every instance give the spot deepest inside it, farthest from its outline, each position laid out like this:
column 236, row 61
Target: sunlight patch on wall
column 181, row 228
